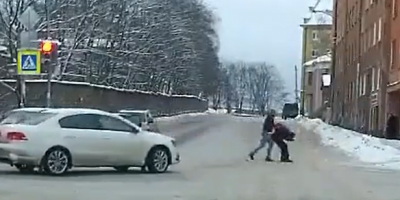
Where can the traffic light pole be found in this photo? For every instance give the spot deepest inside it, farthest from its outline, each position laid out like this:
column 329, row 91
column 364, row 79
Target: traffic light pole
column 49, row 77
column 48, row 64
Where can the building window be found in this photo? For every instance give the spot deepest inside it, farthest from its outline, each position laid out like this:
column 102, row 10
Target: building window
column 314, row 53
column 365, row 42
column 360, row 89
column 373, row 80
column 393, row 51
column 370, row 36
column 364, row 86
column 380, row 29
column 378, row 79
column 363, row 24
column 358, row 82
column 374, row 34
column 351, row 91
column 309, row 78
column 315, row 35
column 374, row 118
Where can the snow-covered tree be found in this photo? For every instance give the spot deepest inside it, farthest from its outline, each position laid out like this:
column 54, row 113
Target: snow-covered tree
column 165, row 46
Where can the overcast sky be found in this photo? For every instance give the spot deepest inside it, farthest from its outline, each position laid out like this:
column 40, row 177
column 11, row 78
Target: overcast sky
column 264, row 30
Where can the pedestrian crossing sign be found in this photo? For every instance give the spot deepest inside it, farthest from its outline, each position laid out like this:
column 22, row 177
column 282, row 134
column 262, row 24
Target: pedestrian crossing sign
column 28, row 62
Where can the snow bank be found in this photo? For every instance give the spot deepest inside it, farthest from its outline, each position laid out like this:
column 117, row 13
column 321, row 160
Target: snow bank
column 218, row 111
column 376, row 151
column 181, row 116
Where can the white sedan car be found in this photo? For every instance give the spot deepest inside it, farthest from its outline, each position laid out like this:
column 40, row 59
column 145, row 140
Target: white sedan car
column 55, row 140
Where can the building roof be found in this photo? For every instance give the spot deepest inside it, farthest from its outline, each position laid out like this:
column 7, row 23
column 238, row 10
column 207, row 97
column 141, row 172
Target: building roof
column 317, row 26
column 322, row 59
column 321, row 17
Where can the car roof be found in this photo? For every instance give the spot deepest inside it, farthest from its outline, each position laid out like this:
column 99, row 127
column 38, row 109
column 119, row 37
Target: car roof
column 63, row 110
column 134, row 111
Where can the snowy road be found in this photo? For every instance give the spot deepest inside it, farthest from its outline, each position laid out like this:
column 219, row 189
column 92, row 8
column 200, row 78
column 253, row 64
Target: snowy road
column 214, row 168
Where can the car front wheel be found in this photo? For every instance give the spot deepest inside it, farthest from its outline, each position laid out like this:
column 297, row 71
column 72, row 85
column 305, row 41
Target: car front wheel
column 158, row 160
column 56, row 161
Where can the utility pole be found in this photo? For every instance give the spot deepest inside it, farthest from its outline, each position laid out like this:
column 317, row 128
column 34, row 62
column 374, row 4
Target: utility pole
column 296, row 86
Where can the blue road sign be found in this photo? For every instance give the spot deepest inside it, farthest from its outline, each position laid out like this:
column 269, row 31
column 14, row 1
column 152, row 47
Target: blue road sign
column 28, row 62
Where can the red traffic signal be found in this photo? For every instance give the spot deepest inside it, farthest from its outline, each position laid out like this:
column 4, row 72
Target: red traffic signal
column 46, row 47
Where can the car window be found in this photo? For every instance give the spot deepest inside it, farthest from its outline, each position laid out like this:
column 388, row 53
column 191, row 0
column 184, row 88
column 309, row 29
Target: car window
column 141, row 116
column 132, row 118
column 81, row 121
column 26, row 117
column 115, row 124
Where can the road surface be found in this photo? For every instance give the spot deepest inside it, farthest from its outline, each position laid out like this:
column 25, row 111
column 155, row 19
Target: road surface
column 214, row 168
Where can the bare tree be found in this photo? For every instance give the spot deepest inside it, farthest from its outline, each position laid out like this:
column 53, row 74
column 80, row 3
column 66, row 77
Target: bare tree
column 154, row 45
column 257, row 83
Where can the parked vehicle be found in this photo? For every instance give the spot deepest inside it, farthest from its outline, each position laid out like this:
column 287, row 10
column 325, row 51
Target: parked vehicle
column 142, row 118
column 55, row 140
column 290, row 110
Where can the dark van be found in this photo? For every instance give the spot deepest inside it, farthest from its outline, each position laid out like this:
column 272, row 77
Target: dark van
column 290, row 110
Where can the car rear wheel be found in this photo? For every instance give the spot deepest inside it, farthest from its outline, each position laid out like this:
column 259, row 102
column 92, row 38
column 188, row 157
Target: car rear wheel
column 158, row 160
column 56, row 161
column 25, row 168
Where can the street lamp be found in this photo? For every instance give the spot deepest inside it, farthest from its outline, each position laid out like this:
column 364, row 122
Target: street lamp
column 326, row 12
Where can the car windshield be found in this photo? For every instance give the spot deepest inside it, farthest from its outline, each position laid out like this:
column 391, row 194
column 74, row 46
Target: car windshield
column 26, row 117
column 290, row 108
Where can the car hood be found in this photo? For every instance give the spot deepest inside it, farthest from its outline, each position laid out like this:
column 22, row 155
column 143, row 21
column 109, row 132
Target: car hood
column 158, row 136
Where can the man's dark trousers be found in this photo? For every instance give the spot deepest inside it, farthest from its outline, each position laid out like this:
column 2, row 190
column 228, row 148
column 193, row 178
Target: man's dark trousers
column 284, row 148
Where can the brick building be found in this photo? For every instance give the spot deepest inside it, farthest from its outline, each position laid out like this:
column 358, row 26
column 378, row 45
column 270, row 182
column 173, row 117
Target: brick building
column 360, row 62
column 393, row 87
column 316, row 42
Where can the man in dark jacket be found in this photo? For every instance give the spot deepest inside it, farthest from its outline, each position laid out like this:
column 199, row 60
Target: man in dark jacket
column 268, row 129
column 281, row 134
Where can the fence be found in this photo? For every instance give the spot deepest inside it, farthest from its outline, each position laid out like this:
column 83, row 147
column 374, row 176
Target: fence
column 78, row 94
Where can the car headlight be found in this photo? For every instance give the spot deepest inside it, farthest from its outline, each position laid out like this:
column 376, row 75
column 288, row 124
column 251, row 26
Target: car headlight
column 173, row 142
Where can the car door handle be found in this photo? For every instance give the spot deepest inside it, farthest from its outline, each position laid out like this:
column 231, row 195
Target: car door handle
column 70, row 137
column 106, row 138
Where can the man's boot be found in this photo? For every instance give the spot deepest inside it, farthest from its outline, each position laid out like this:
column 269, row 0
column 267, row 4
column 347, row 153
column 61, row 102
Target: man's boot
column 251, row 156
column 286, row 160
column 268, row 159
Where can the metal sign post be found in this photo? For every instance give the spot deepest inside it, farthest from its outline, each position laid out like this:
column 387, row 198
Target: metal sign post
column 28, row 59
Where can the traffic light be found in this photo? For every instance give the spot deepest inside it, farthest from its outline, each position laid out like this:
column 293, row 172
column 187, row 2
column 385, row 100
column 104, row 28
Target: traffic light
column 49, row 50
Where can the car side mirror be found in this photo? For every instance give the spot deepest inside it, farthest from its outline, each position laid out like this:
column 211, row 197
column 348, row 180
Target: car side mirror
column 140, row 124
column 151, row 120
column 135, row 130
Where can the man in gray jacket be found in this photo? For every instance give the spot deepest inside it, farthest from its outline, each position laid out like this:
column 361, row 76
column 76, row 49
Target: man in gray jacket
column 268, row 130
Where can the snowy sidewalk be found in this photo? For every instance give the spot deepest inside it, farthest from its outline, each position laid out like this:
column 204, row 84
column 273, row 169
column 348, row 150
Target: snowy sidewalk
column 379, row 152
